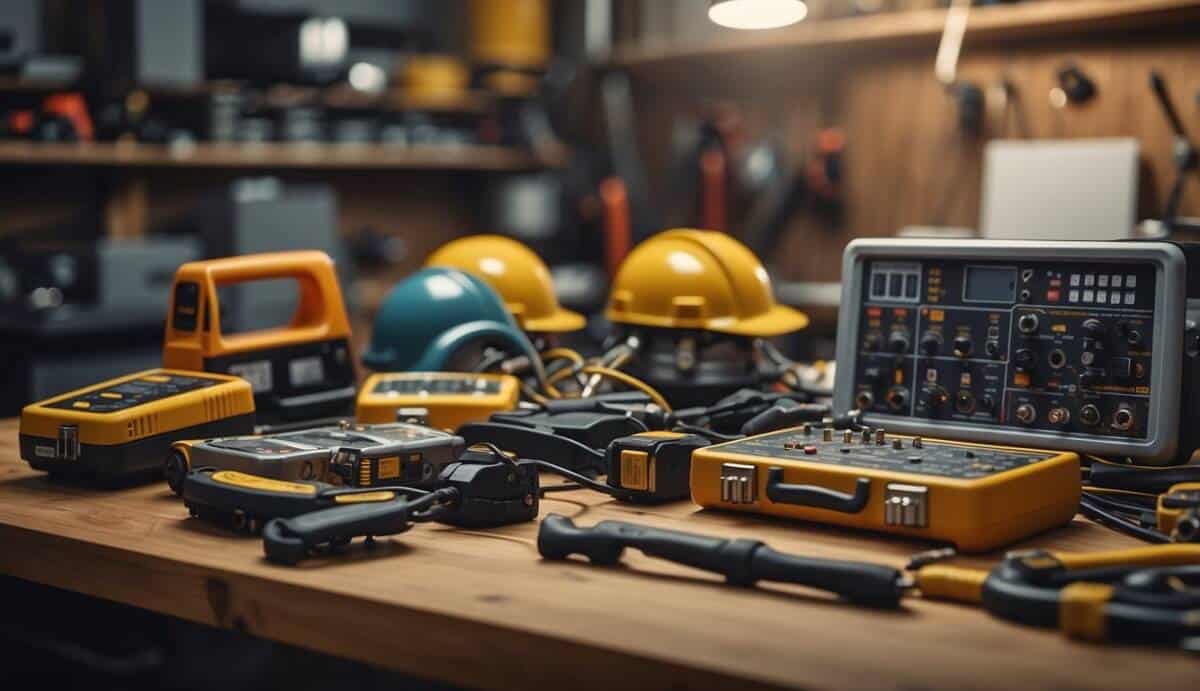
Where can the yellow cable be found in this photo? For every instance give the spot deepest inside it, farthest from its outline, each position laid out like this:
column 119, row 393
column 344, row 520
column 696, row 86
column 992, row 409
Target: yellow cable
column 564, row 354
column 560, row 375
column 630, row 381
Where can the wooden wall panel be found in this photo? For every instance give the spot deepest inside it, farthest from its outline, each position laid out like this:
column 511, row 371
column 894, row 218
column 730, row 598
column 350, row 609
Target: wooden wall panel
column 906, row 163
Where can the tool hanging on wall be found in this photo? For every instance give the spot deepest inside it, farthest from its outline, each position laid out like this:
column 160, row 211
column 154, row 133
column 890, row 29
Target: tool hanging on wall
column 1183, row 153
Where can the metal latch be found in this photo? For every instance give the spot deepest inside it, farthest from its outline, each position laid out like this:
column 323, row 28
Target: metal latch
column 906, row 505
column 739, row 483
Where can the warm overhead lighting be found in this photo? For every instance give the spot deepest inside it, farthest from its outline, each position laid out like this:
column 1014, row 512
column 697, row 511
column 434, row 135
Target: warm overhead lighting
column 756, row 14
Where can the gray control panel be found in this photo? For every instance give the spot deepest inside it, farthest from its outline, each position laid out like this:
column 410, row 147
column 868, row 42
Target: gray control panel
column 1064, row 345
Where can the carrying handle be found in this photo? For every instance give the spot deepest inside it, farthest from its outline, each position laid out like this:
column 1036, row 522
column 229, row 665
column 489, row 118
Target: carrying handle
column 820, row 497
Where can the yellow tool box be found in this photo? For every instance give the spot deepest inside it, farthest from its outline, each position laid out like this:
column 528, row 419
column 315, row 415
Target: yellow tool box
column 976, row 496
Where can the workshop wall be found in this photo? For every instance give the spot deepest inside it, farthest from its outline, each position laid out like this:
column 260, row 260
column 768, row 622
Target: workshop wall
column 906, row 163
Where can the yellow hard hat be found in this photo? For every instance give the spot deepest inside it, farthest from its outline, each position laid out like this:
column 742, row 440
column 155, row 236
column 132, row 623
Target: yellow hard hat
column 699, row 279
column 518, row 275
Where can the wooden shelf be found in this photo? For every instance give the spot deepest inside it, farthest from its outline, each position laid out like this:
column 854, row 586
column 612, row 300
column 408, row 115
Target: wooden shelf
column 273, row 155
column 1031, row 20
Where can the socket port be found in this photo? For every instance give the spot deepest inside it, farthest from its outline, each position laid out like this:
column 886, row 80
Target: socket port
column 1058, row 416
column 739, row 483
column 964, row 402
column 897, row 398
column 1057, row 358
column 1122, row 419
column 864, row 400
column 1089, row 414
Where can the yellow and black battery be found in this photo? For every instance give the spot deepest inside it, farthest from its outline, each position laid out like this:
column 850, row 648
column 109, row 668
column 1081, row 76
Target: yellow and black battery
column 653, row 466
column 125, row 426
column 449, row 399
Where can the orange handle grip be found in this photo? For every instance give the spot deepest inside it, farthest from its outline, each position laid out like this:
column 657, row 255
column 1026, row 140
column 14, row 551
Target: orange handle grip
column 618, row 231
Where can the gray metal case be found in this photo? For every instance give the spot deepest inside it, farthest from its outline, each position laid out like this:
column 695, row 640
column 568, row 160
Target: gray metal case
column 1160, row 443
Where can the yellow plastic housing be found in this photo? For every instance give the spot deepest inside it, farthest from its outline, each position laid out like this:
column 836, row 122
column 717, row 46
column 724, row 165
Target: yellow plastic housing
column 445, row 410
column 976, row 515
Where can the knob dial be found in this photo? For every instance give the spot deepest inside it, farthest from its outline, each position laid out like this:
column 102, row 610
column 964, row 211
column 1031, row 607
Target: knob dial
column 938, row 398
column 1089, row 414
column 931, row 343
column 992, row 348
column 898, row 341
column 1028, row 323
column 1094, row 328
column 1024, row 360
column 962, row 346
column 1026, row 414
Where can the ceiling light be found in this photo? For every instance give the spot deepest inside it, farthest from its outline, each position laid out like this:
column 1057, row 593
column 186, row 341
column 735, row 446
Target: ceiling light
column 756, row 14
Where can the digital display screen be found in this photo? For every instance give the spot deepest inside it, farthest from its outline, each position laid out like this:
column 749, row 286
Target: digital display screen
column 990, row 284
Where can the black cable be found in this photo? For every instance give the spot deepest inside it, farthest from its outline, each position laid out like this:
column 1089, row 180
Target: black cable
column 1118, row 505
column 583, row 480
column 1094, row 512
column 707, row 433
column 564, row 487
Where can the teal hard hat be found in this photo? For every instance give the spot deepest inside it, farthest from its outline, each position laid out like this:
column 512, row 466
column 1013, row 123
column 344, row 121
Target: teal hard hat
column 430, row 318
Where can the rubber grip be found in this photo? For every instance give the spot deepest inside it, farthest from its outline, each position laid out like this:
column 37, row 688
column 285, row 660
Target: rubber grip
column 860, row 582
column 287, row 539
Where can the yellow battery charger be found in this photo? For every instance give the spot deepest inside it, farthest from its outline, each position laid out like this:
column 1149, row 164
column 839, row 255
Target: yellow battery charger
column 450, row 399
column 976, row 496
column 125, row 426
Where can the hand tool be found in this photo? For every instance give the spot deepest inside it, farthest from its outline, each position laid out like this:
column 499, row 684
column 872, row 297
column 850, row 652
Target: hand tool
column 343, row 454
column 742, row 562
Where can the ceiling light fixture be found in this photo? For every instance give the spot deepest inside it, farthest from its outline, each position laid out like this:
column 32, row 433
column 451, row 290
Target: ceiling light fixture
column 756, row 14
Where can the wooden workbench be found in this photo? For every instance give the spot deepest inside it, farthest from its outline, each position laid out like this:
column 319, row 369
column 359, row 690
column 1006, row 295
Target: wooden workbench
column 481, row 609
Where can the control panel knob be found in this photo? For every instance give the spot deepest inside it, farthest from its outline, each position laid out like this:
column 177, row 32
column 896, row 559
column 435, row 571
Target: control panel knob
column 1090, row 377
column 1094, row 328
column 1027, row 324
column 992, row 348
column 1026, row 414
column 986, row 403
column 898, row 341
column 931, row 343
column 872, row 342
column 1024, row 360
column 1089, row 414
column 938, row 398
column 962, row 346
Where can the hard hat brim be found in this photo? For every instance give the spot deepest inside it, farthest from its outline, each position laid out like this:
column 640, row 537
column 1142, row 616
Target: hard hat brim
column 561, row 320
column 778, row 320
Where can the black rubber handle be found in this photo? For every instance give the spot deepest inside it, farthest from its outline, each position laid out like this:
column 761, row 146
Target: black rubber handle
column 820, row 497
column 742, row 562
column 528, row 442
column 869, row 584
column 287, row 540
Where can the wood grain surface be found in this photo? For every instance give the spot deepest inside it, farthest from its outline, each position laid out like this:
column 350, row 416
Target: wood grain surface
column 481, row 609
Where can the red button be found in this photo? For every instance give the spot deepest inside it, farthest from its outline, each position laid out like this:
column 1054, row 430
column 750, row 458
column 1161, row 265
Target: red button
column 1053, row 295
column 810, row 450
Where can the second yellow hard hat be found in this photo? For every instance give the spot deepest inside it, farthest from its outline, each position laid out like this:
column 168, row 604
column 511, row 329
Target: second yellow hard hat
column 518, row 275
column 699, row 279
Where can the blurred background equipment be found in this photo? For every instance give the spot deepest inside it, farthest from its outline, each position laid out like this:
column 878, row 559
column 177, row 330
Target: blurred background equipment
column 73, row 314
column 1060, row 190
